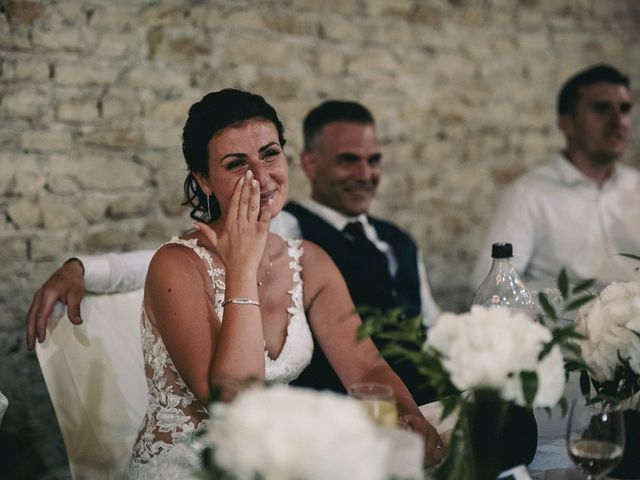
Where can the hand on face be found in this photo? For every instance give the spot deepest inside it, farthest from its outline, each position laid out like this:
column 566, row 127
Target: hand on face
column 239, row 238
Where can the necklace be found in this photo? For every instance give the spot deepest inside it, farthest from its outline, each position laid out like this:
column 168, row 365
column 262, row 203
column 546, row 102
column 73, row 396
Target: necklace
column 266, row 275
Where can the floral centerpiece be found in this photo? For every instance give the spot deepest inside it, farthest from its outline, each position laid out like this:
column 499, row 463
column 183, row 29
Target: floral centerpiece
column 607, row 351
column 611, row 347
column 481, row 363
column 610, row 351
column 285, row 433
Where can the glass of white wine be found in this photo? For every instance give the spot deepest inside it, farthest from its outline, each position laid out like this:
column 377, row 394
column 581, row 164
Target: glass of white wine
column 595, row 438
column 379, row 402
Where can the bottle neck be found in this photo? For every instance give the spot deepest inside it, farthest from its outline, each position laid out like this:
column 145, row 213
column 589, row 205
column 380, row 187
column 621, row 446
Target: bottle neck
column 502, row 267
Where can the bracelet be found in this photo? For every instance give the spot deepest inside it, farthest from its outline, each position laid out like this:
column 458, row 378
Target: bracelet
column 72, row 259
column 241, row 301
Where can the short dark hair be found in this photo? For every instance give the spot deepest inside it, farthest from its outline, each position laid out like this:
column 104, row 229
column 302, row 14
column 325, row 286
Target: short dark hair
column 570, row 92
column 216, row 111
column 333, row 111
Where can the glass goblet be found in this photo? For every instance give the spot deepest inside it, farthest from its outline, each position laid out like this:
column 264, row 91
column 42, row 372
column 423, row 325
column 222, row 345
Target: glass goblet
column 595, row 438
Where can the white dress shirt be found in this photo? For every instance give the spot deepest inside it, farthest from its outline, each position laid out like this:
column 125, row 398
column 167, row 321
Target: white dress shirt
column 557, row 217
column 121, row 272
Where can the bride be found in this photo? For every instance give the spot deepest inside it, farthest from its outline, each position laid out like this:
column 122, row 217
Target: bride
column 229, row 301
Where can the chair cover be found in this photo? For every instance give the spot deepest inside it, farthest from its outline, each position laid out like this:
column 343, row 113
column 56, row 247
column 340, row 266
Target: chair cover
column 95, row 376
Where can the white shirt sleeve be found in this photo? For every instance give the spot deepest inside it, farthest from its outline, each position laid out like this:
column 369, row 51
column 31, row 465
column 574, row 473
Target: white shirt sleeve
column 116, row 272
column 430, row 309
column 513, row 223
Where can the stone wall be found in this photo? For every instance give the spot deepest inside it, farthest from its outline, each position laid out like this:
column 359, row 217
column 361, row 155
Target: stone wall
column 93, row 95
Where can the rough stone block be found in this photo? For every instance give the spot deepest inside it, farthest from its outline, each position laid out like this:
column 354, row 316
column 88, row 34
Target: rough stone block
column 24, row 11
column 99, row 170
column 158, row 135
column 35, row 70
column 25, row 213
column 117, row 138
column 170, row 110
column 61, row 213
column 25, row 103
column 154, row 77
column 48, row 246
column 46, row 140
column 120, row 104
column 78, row 111
column 24, row 174
column 94, row 206
column 14, row 248
column 84, row 75
column 342, row 29
column 116, row 45
column 65, row 40
column 131, row 205
column 290, row 23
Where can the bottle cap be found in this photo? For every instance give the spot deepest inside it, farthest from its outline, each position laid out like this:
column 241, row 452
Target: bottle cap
column 501, row 250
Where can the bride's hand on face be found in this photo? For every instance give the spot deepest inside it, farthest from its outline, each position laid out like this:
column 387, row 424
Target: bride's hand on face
column 241, row 236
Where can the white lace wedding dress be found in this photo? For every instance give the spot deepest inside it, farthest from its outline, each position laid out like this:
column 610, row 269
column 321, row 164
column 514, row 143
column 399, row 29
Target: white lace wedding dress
column 164, row 447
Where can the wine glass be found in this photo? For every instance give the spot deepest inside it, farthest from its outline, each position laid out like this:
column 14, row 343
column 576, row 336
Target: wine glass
column 379, row 402
column 595, row 438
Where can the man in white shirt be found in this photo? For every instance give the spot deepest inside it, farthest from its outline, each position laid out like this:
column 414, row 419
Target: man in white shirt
column 342, row 159
column 582, row 208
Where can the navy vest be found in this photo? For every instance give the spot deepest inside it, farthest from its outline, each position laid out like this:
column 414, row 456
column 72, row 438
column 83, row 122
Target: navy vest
column 370, row 284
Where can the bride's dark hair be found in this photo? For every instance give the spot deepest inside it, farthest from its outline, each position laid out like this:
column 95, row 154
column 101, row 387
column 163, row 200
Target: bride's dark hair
column 216, row 111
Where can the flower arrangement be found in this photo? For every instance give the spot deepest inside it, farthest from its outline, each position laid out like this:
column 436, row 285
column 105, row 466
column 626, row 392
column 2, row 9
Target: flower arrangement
column 607, row 352
column 481, row 363
column 284, row 433
column 497, row 349
column 611, row 345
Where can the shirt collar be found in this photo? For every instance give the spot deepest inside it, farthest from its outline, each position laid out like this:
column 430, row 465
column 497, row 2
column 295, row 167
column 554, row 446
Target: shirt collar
column 570, row 175
column 333, row 217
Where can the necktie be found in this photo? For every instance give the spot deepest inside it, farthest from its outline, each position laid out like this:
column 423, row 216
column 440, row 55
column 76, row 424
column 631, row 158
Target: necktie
column 354, row 232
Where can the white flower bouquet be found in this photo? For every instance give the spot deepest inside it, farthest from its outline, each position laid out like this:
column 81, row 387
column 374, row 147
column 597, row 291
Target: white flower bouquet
column 611, row 347
column 485, row 365
column 283, row 433
column 497, row 349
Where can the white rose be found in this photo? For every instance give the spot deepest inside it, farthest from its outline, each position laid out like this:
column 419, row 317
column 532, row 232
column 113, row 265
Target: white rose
column 490, row 347
column 293, row 433
column 609, row 323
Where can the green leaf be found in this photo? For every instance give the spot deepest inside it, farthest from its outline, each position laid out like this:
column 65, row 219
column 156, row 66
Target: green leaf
column 578, row 302
column 629, row 255
column 546, row 349
column 529, row 386
column 563, row 406
column 585, row 383
column 546, row 305
column 584, row 285
column 563, row 283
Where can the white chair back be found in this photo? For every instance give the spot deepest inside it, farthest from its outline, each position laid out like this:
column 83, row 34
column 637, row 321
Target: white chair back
column 95, row 376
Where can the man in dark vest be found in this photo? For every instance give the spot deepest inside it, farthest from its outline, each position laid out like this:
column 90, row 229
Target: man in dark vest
column 380, row 262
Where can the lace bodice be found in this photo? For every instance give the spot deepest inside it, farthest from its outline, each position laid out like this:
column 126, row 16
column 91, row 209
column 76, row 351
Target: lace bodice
column 174, row 412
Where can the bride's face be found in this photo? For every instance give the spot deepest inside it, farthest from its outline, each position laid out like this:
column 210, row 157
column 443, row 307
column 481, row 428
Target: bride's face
column 251, row 145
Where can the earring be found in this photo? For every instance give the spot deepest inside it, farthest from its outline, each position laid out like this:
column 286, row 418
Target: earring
column 209, row 206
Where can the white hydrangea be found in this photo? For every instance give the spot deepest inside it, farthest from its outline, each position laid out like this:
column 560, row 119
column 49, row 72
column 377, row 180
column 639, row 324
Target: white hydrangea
column 288, row 433
column 609, row 323
column 489, row 347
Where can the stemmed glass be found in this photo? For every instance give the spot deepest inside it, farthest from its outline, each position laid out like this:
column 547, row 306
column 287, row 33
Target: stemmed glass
column 595, row 438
